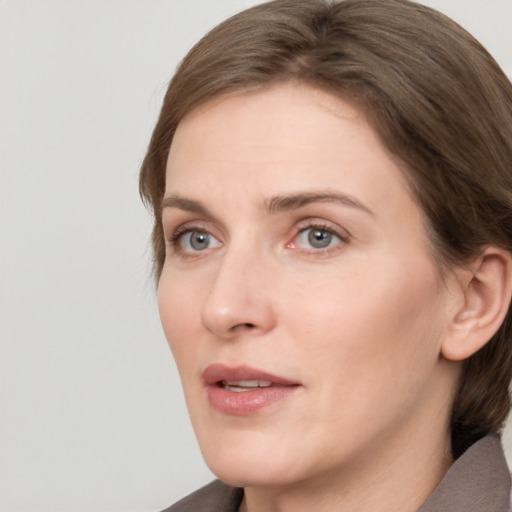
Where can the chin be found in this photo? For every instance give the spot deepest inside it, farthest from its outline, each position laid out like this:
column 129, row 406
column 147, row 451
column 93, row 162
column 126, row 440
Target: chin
column 253, row 475
column 248, row 460
column 240, row 477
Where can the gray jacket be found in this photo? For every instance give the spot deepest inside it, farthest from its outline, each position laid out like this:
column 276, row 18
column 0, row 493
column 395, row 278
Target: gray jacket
column 478, row 481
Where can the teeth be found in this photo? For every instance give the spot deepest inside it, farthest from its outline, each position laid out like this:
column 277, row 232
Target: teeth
column 245, row 385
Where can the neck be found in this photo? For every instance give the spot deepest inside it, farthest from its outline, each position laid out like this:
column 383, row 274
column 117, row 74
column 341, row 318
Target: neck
column 388, row 478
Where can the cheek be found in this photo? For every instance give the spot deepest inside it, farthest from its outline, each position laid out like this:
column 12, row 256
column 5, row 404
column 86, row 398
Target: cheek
column 376, row 352
column 179, row 315
column 371, row 326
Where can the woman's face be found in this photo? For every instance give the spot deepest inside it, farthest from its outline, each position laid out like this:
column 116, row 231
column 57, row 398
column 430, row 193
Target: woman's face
column 299, row 295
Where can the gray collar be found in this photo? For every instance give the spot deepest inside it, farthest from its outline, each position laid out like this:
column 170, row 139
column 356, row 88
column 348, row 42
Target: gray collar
column 478, row 481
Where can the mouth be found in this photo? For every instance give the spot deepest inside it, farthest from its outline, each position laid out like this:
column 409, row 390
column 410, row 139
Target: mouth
column 243, row 390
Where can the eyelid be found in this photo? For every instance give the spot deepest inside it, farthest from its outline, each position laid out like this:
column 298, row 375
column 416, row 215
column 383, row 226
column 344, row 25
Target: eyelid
column 175, row 225
column 319, row 223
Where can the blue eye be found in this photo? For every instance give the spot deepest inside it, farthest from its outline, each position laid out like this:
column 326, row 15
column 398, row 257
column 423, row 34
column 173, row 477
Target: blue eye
column 317, row 238
column 196, row 240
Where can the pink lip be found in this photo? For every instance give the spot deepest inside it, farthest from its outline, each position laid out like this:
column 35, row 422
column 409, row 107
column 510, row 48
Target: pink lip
column 244, row 402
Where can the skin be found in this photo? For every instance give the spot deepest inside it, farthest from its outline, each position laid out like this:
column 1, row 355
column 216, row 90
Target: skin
column 360, row 323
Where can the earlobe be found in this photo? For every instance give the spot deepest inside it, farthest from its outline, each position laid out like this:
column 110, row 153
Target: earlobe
column 486, row 286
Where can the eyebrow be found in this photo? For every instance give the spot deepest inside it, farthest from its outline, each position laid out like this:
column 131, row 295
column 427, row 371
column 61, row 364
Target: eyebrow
column 279, row 203
column 189, row 205
column 296, row 201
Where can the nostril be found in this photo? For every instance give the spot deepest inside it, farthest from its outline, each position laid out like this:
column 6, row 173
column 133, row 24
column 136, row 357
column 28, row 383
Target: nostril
column 245, row 325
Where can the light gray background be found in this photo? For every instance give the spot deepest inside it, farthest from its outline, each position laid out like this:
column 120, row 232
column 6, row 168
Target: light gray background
column 92, row 417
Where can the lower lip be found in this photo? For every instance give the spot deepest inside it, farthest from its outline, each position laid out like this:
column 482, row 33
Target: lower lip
column 246, row 402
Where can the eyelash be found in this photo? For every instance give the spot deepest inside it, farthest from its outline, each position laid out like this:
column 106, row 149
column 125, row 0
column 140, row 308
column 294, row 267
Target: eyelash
column 174, row 240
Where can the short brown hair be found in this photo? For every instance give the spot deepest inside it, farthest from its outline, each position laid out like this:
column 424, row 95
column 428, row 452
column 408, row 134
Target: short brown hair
column 440, row 103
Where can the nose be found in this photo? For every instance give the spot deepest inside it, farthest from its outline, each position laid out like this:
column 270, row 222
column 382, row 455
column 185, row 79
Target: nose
column 239, row 301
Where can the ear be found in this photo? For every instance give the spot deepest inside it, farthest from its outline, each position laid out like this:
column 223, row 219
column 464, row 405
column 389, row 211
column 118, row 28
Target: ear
column 486, row 288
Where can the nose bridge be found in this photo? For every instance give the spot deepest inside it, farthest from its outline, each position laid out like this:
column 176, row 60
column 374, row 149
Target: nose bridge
column 238, row 300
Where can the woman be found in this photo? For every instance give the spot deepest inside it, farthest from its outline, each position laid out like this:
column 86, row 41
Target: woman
column 332, row 197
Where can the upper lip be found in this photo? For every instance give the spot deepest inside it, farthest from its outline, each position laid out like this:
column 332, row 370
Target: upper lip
column 216, row 373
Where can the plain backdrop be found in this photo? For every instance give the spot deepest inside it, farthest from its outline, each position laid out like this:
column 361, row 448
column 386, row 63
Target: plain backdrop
column 92, row 418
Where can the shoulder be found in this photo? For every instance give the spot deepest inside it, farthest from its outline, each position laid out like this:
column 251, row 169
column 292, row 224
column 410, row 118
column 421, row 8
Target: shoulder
column 214, row 497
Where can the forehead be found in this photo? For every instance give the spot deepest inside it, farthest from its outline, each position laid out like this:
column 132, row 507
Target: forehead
column 285, row 122
column 290, row 135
